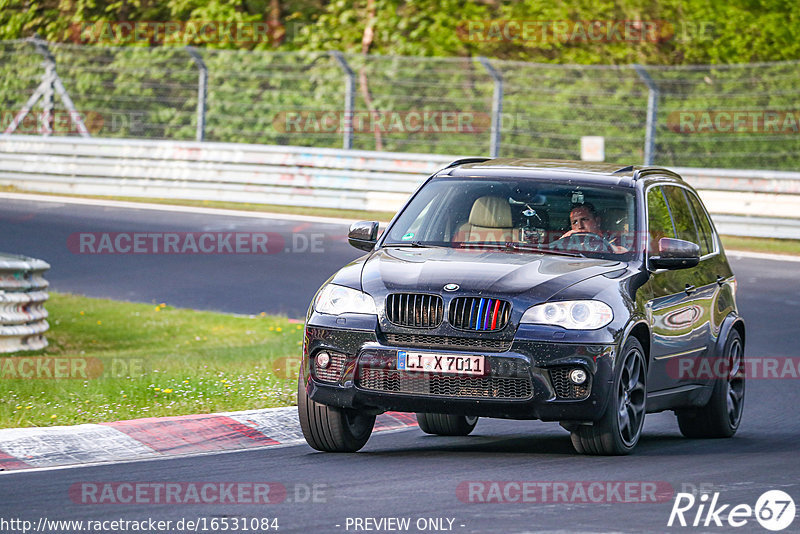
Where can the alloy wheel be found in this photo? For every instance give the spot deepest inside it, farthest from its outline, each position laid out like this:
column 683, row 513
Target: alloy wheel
column 631, row 397
column 735, row 383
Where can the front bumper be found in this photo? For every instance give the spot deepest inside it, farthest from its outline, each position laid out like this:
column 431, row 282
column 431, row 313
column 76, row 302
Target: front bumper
column 525, row 381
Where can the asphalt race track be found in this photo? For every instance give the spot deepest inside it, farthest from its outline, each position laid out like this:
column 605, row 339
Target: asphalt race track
column 282, row 282
column 404, row 474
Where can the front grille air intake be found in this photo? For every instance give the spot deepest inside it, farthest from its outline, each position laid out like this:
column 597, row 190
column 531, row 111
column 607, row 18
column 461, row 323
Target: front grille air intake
column 416, row 310
column 483, row 387
column 479, row 314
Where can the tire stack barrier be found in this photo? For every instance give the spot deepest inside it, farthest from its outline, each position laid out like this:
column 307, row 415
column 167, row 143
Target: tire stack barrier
column 23, row 318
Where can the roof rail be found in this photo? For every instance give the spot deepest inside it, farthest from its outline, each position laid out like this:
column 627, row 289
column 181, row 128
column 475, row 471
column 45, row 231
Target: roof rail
column 641, row 173
column 463, row 161
column 629, row 168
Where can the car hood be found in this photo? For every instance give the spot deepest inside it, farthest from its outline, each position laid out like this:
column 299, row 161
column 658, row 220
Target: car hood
column 532, row 276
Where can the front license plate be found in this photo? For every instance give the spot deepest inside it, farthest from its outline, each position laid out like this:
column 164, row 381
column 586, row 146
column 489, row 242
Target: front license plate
column 427, row 362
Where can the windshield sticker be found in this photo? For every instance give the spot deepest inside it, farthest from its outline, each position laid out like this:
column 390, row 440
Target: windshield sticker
column 409, row 235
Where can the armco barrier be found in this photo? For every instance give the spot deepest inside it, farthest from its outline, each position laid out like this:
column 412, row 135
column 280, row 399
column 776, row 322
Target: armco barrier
column 22, row 297
column 325, row 177
column 294, row 176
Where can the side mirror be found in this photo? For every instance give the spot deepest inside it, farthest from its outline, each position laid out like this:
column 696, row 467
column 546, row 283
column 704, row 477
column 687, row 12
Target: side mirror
column 363, row 235
column 675, row 254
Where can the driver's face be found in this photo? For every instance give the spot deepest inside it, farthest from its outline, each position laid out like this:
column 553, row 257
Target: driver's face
column 581, row 220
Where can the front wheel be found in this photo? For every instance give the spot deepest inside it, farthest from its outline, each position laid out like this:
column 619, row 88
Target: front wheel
column 442, row 424
column 332, row 429
column 720, row 418
column 618, row 431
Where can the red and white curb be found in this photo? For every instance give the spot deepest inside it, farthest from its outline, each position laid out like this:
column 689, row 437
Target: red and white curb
column 160, row 437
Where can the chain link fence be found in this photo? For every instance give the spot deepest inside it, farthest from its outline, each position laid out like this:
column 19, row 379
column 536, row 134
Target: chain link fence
column 726, row 116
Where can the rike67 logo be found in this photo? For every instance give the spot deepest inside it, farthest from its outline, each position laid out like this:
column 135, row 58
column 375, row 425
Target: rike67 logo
column 774, row 510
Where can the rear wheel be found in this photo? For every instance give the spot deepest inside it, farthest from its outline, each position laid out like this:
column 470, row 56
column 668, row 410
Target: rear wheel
column 442, row 424
column 332, row 429
column 618, row 431
column 720, row 418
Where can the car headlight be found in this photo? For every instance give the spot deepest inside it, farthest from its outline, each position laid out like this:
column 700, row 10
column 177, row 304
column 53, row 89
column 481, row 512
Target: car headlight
column 335, row 300
column 570, row 314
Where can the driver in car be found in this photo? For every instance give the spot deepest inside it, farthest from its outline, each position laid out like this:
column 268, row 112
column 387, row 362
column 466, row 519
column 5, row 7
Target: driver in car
column 583, row 219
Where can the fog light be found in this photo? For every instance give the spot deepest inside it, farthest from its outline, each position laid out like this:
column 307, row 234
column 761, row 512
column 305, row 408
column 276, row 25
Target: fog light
column 323, row 360
column 577, row 376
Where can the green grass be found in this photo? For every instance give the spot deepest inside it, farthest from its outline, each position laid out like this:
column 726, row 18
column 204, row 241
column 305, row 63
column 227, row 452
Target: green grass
column 141, row 360
column 758, row 244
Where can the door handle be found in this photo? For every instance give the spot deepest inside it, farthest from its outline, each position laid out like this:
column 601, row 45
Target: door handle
column 720, row 280
column 689, row 289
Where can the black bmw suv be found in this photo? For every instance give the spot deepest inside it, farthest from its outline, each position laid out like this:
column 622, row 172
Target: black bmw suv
column 586, row 294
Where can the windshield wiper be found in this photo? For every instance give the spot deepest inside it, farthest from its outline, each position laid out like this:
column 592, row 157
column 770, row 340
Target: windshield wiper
column 415, row 244
column 491, row 245
column 530, row 248
column 519, row 246
column 483, row 244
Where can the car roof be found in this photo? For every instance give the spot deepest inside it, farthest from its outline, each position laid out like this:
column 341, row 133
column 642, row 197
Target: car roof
column 581, row 171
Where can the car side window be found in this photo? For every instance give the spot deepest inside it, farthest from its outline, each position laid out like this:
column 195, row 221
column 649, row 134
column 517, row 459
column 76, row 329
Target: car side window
column 659, row 222
column 704, row 231
column 681, row 213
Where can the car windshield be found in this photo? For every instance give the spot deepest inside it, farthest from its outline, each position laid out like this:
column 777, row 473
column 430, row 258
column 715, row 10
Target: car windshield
column 519, row 215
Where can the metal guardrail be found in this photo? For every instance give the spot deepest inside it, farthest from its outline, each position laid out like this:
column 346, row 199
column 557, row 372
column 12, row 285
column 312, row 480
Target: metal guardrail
column 325, row 177
column 22, row 297
column 759, row 181
column 758, row 226
column 295, row 176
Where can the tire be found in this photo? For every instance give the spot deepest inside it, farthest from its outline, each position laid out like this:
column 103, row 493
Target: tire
column 618, row 431
column 442, row 424
column 721, row 416
column 332, row 429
